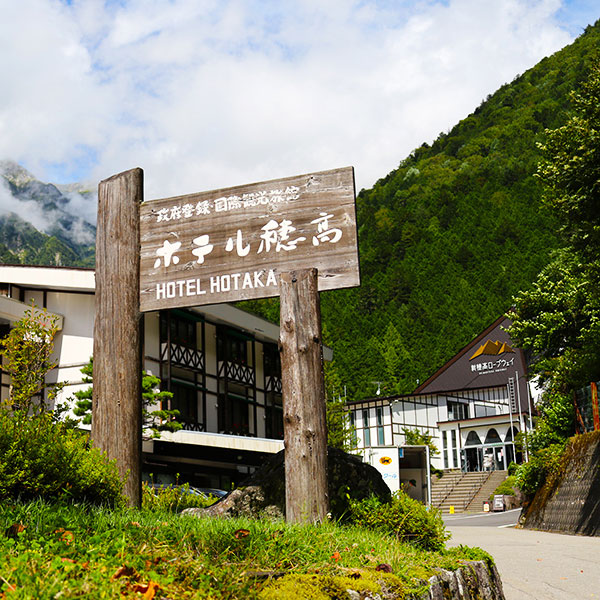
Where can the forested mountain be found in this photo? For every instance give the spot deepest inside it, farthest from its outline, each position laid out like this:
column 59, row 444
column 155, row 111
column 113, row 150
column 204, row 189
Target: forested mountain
column 65, row 239
column 449, row 237
column 446, row 240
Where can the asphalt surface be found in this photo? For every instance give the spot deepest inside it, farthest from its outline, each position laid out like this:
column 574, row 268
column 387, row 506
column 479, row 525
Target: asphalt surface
column 533, row 565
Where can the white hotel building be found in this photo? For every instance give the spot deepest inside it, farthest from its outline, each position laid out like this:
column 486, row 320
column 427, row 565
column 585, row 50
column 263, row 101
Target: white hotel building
column 220, row 362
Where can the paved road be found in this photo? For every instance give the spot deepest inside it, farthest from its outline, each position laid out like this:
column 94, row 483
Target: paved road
column 534, row 565
column 507, row 518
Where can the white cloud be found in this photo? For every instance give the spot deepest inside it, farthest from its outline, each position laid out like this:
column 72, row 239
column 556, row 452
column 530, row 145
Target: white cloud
column 211, row 94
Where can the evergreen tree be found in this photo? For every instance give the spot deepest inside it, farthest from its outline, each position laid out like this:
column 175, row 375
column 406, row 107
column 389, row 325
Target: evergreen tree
column 154, row 418
column 558, row 320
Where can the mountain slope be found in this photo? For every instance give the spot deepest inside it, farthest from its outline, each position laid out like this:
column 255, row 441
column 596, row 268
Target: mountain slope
column 452, row 234
column 38, row 225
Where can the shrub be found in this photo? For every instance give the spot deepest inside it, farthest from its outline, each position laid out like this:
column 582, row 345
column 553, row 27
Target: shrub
column 506, row 488
column 42, row 458
column 173, row 498
column 403, row 517
column 532, row 475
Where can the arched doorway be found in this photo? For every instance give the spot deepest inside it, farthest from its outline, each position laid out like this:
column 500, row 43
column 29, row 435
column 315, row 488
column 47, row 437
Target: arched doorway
column 472, row 453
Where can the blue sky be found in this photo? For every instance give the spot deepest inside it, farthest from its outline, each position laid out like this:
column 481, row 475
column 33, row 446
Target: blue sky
column 216, row 93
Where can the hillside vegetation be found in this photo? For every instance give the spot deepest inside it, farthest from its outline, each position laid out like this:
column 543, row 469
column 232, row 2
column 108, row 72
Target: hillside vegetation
column 449, row 237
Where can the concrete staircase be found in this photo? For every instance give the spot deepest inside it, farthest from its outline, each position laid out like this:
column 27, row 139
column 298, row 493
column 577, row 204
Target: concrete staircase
column 464, row 491
column 495, row 479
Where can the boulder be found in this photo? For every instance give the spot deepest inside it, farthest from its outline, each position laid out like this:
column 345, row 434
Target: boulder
column 263, row 493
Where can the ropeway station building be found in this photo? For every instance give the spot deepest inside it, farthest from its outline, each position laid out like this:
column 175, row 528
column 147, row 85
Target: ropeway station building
column 473, row 407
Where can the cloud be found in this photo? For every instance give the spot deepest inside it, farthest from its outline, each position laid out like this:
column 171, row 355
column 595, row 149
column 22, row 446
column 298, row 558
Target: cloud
column 213, row 94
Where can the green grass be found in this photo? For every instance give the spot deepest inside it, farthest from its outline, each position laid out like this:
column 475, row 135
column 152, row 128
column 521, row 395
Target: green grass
column 80, row 551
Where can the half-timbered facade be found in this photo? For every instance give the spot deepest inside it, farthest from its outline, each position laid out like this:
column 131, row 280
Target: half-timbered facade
column 221, row 364
column 473, row 407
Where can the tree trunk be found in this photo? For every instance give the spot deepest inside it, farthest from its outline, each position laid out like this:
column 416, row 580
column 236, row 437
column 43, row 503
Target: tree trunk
column 305, row 428
column 116, row 405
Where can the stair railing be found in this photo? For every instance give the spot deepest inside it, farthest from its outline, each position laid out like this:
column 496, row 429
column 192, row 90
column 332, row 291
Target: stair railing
column 485, row 475
column 448, row 489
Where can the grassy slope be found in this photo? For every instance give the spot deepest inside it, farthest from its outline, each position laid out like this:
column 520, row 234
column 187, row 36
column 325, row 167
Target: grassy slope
column 74, row 551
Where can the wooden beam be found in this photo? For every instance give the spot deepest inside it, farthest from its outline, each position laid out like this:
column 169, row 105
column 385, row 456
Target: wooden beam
column 116, row 405
column 305, row 426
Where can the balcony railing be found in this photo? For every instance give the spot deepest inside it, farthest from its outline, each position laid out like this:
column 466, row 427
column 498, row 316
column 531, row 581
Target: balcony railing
column 188, row 358
column 236, row 373
column 192, row 426
column 273, row 384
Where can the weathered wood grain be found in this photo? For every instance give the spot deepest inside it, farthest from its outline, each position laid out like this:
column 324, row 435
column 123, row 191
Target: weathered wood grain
column 305, row 426
column 116, row 405
column 238, row 267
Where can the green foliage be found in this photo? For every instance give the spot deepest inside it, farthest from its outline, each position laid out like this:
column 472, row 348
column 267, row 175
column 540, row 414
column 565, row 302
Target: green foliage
column 64, row 550
column 532, row 475
column 506, row 488
column 414, row 437
column 42, row 458
column 27, row 352
column 402, row 517
column 340, row 434
column 154, row 420
column 556, row 421
column 558, row 320
column 450, row 236
column 83, row 398
column 23, row 244
column 173, row 498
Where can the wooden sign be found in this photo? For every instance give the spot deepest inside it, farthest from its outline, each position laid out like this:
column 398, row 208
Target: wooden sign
column 232, row 244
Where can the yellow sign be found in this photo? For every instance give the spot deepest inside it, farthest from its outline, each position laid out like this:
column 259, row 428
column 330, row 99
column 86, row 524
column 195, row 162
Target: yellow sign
column 492, row 349
column 385, row 460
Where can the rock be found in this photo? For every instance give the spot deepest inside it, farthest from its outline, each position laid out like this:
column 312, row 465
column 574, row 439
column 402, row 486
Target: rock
column 473, row 581
column 263, row 493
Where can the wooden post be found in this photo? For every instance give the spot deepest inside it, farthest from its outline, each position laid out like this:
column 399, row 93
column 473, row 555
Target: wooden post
column 116, row 406
column 305, row 426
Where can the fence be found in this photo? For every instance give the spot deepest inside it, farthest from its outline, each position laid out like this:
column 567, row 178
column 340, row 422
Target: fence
column 587, row 414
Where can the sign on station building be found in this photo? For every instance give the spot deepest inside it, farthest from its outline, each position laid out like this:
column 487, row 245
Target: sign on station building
column 231, row 244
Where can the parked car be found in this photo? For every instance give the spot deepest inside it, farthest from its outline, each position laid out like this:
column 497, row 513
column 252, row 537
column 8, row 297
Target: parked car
column 185, row 489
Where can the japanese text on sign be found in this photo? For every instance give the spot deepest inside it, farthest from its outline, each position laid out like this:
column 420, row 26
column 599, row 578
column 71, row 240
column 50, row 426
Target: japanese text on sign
column 232, row 244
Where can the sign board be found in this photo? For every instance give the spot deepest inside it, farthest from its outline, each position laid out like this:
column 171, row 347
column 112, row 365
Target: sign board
column 498, row 502
column 231, row 244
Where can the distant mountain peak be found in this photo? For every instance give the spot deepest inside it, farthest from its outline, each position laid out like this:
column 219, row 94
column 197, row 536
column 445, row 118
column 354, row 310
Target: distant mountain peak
column 15, row 173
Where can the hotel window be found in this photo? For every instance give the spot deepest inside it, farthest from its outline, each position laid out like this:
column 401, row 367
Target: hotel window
column 274, row 416
column 178, row 329
column 234, row 410
column 457, row 411
column 272, row 360
column 232, row 346
column 366, row 428
column 380, row 432
column 445, row 448
column 454, row 450
column 185, row 400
